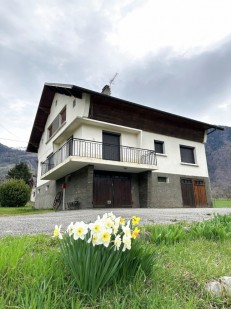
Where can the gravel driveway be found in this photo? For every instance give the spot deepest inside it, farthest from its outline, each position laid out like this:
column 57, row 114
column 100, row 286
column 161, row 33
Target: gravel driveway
column 44, row 223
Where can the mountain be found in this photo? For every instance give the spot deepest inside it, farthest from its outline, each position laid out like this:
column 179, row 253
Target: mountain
column 218, row 151
column 11, row 156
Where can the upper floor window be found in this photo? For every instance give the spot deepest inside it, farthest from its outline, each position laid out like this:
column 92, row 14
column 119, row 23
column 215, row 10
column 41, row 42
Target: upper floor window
column 63, row 116
column 159, row 146
column 187, row 154
column 57, row 123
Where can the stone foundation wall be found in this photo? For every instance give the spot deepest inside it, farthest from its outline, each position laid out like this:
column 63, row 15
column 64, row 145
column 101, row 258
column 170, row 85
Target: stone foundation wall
column 168, row 194
column 79, row 186
column 146, row 190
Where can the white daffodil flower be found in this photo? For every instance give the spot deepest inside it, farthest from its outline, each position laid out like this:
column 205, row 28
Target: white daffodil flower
column 126, row 243
column 106, row 237
column 57, row 232
column 108, row 223
column 80, row 230
column 127, row 231
column 96, row 227
column 117, row 242
column 70, row 229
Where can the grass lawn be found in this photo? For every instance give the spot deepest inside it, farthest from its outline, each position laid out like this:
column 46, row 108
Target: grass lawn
column 221, row 203
column 32, row 275
column 27, row 210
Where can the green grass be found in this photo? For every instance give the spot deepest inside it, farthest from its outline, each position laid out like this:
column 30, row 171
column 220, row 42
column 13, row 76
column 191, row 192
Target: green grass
column 32, row 275
column 27, row 210
column 222, row 203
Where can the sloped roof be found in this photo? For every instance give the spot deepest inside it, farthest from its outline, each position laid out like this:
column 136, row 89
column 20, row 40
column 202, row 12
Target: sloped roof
column 47, row 97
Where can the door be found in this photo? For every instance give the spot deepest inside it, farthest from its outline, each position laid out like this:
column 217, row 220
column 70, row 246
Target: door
column 111, row 146
column 200, row 193
column 193, row 192
column 102, row 190
column 187, row 192
column 112, row 190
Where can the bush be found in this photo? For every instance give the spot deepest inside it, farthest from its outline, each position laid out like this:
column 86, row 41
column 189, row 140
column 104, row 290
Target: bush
column 14, row 193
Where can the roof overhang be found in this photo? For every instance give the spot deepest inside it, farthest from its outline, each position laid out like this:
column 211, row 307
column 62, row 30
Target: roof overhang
column 50, row 89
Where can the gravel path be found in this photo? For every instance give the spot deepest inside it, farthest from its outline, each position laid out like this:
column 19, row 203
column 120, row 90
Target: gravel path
column 44, row 223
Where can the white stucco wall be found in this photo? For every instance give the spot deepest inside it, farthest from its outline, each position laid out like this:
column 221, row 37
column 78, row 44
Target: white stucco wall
column 170, row 162
column 47, row 146
column 79, row 126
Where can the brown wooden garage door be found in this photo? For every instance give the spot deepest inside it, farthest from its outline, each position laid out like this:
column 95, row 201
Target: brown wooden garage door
column 193, row 192
column 112, row 190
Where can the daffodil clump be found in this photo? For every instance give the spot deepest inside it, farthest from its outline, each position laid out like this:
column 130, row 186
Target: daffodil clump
column 96, row 252
column 107, row 231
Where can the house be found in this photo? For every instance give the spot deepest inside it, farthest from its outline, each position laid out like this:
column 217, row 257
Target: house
column 101, row 151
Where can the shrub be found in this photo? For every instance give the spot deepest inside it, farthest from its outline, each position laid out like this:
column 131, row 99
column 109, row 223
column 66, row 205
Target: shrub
column 14, row 193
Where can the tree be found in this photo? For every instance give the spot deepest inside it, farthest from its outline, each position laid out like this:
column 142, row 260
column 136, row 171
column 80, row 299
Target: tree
column 14, row 193
column 20, row 171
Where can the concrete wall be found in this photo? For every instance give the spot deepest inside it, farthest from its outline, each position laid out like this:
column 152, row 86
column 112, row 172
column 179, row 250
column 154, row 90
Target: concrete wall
column 45, row 195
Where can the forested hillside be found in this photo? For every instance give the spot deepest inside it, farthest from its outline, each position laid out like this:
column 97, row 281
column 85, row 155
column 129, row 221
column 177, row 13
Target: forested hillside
column 218, row 150
column 10, row 156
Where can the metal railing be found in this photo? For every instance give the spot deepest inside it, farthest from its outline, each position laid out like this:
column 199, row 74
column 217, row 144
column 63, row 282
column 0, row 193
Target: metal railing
column 98, row 150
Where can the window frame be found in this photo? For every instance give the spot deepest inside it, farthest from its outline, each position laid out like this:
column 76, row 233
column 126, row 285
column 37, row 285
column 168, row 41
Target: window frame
column 57, row 123
column 160, row 144
column 187, row 154
column 162, row 179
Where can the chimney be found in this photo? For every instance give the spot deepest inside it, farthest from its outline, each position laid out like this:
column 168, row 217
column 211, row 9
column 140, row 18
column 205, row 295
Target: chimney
column 106, row 90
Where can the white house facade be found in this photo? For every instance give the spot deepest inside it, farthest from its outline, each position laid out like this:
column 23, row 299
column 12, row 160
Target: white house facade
column 95, row 150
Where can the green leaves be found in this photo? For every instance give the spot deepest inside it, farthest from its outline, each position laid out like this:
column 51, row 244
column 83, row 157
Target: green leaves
column 104, row 251
column 219, row 228
column 91, row 267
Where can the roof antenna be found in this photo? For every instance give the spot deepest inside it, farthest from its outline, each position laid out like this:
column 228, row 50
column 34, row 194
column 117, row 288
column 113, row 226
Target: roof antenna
column 107, row 88
column 113, row 78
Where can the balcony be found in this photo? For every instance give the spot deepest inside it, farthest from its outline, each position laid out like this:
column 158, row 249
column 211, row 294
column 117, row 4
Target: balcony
column 77, row 153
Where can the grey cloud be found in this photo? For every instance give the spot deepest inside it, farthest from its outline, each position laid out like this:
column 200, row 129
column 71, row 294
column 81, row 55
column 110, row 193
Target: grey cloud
column 180, row 83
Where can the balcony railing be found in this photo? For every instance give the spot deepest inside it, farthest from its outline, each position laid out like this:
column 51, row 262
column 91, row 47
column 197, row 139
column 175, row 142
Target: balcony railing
column 97, row 150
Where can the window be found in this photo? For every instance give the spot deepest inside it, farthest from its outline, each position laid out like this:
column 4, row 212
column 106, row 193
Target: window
column 162, row 179
column 187, row 154
column 57, row 123
column 159, row 146
column 62, row 116
column 50, row 131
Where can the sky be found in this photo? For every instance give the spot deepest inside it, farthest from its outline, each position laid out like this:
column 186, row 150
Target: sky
column 172, row 55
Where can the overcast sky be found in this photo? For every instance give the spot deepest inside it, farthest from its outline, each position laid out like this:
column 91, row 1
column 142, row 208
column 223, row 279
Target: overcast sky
column 173, row 55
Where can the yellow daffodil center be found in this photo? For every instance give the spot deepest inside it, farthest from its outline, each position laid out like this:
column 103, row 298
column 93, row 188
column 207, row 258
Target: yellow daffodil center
column 56, row 232
column 106, row 237
column 79, row 231
column 96, row 228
